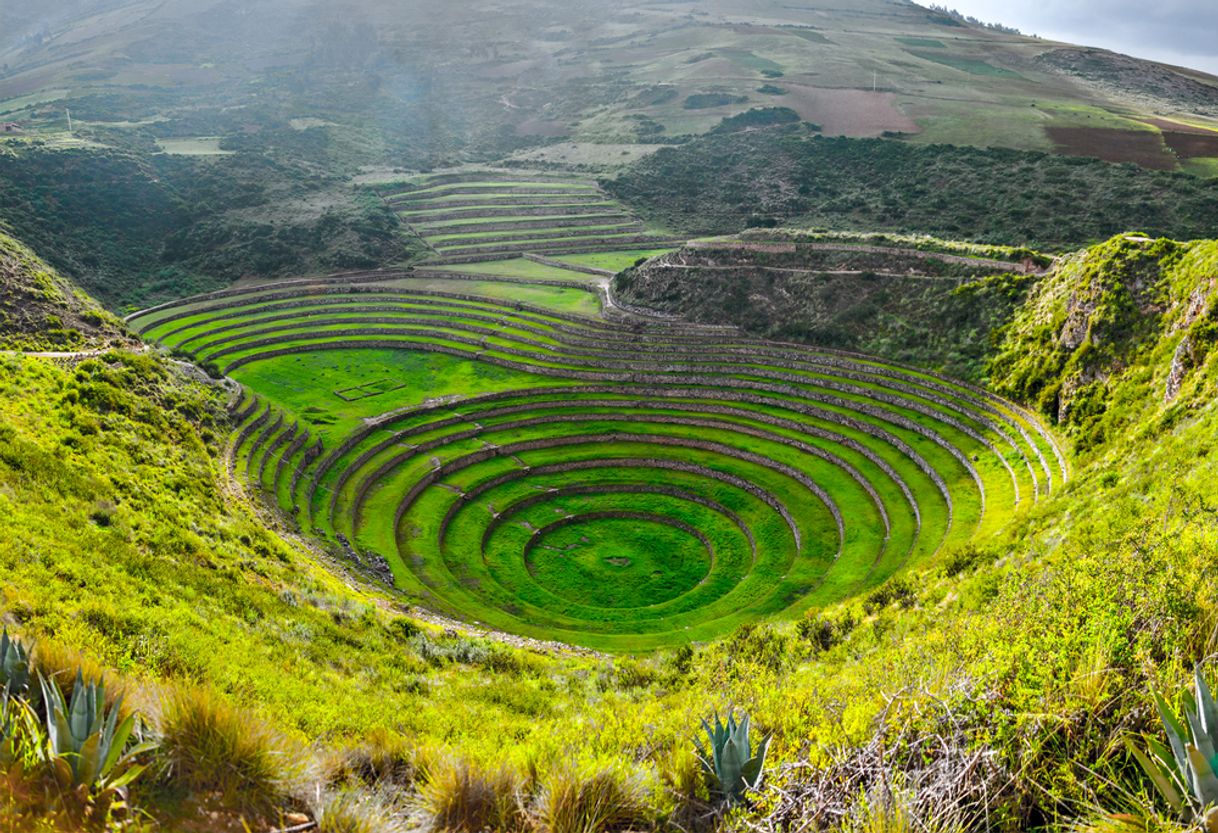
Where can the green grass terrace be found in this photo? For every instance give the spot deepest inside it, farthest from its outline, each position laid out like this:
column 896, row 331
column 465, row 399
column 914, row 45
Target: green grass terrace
column 624, row 484
column 492, row 216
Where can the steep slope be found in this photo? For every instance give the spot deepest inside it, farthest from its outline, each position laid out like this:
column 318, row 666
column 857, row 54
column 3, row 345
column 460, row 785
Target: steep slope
column 1113, row 328
column 41, row 310
column 132, row 228
column 915, row 300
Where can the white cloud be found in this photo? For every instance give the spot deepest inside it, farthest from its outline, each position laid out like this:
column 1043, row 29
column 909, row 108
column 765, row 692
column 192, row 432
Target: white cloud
column 1175, row 31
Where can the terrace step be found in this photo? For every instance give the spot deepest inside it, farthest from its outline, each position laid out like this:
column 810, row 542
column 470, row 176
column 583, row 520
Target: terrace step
column 522, row 200
column 449, row 213
column 525, row 223
column 562, row 234
column 846, row 467
column 594, row 244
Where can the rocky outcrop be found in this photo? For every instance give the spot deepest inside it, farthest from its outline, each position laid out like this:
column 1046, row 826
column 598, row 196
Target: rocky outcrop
column 1184, row 360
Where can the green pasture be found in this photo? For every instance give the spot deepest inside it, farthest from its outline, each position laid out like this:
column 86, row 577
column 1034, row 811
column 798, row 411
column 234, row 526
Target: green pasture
column 613, row 261
column 517, row 267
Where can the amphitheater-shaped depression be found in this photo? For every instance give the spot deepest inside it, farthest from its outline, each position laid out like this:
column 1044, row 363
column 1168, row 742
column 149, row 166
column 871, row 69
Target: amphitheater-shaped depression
column 619, row 483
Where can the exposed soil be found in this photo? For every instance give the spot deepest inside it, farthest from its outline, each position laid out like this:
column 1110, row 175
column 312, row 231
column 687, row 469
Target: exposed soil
column 854, row 113
column 1141, row 147
column 1192, row 145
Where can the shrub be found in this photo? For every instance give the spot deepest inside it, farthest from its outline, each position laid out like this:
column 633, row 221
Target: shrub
column 964, row 559
column 575, row 801
column 460, row 797
column 209, row 747
column 353, row 812
column 381, row 758
column 824, row 632
column 894, row 591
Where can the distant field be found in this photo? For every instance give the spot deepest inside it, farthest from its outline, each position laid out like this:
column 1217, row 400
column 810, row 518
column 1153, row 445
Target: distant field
column 497, row 216
column 198, row 146
column 973, row 66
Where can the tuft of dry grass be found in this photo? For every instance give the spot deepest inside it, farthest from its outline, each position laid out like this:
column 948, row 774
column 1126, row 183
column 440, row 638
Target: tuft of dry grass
column 460, row 797
column 590, row 801
column 380, row 758
column 208, row 747
column 60, row 663
column 351, row 811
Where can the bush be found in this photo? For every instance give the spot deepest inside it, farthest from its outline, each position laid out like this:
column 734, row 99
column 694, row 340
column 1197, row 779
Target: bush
column 574, row 801
column 352, row 812
column 964, row 559
column 894, row 591
column 381, row 758
column 460, row 797
column 824, row 632
column 209, row 747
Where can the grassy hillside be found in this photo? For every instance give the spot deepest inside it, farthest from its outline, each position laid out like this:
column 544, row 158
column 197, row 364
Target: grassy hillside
column 783, row 176
column 1128, row 322
column 40, row 310
column 133, row 229
column 388, row 83
column 994, row 688
column 915, row 300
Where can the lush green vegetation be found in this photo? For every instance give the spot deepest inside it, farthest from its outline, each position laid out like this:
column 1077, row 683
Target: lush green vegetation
column 779, row 176
column 1012, row 667
column 812, row 475
column 916, row 300
column 133, row 229
column 1088, row 348
column 39, row 310
column 757, row 117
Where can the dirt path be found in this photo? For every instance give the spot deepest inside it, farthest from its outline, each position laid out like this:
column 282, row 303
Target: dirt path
column 71, row 354
column 965, row 260
column 840, row 273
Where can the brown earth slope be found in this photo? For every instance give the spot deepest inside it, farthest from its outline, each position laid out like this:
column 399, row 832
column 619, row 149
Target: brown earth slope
column 40, row 310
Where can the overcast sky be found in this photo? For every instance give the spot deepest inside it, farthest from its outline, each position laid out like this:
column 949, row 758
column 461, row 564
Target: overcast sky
column 1183, row 32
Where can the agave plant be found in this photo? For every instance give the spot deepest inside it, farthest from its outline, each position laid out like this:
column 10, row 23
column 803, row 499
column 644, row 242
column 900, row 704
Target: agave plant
column 7, row 731
column 86, row 746
column 1183, row 770
column 728, row 759
column 14, row 665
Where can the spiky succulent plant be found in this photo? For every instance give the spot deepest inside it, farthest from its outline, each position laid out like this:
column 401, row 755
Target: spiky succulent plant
column 86, row 742
column 14, row 665
column 728, row 759
column 1183, row 770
